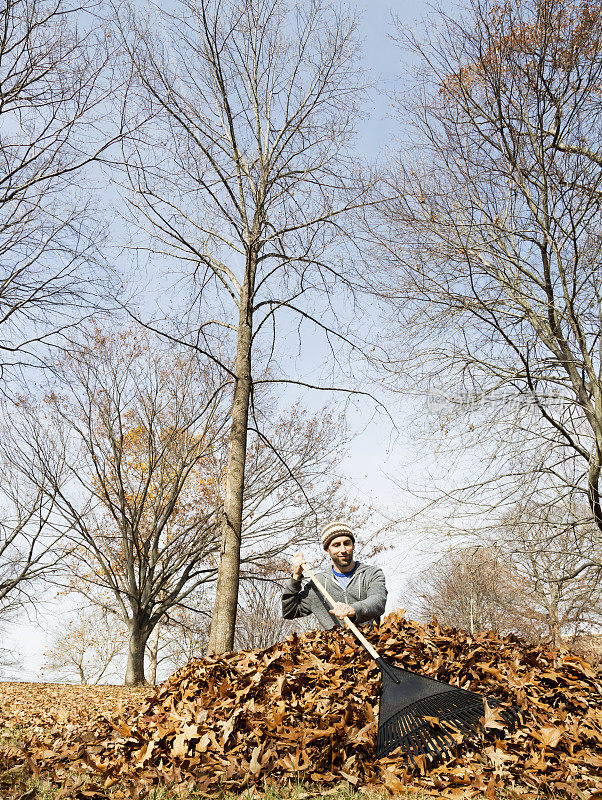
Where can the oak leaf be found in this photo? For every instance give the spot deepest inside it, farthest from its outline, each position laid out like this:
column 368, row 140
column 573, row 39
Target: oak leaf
column 492, row 719
column 549, row 736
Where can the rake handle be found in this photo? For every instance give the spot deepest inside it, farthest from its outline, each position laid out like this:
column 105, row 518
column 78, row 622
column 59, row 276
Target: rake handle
column 346, row 621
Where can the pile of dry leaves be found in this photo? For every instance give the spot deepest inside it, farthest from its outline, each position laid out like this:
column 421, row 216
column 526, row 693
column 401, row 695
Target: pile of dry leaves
column 307, row 707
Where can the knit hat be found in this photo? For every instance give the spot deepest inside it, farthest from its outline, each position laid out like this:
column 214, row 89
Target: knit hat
column 336, row 528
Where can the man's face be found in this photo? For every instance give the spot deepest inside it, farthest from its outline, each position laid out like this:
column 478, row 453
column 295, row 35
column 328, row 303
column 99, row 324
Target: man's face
column 341, row 552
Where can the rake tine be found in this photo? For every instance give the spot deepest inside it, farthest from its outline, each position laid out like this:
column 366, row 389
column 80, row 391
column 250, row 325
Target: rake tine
column 423, row 744
column 440, row 744
column 448, row 742
column 409, row 733
column 470, row 715
column 435, row 742
column 400, row 730
column 408, row 747
column 410, row 737
column 419, row 749
column 446, row 749
column 461, row 726
column 388, row 734
column 407, row 722
column 410, row 756
column 443, row 733
column 512, row 716
column 426, row 745
column 391, row 737
column 468, row 722
column 457, row 721
column 508, row 716
column 397, row 733
column 413, row 752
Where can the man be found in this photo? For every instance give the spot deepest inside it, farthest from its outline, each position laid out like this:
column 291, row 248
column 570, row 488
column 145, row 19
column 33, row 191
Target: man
column 359, row 589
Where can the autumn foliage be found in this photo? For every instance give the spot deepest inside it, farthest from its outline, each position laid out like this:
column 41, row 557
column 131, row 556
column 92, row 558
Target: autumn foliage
column 307, row 708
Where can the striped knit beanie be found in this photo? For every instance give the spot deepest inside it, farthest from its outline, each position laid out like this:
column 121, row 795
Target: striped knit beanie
column 336, row 528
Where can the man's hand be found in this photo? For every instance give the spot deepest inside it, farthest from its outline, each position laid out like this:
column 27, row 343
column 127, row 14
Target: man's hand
column 342, row 610
column 297, row 565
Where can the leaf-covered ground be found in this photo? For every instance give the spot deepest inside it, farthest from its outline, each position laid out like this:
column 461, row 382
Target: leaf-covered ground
column 43, row 706
column 307, row 709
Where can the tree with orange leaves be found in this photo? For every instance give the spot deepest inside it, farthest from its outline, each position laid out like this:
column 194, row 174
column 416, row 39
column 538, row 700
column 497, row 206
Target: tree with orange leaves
column 134, row 438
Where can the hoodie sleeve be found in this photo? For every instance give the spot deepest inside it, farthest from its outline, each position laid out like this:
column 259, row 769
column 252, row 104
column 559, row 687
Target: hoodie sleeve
column 373, row 607
column 295, row 600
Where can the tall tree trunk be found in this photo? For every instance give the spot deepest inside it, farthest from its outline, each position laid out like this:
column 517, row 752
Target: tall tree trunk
column 153, row 650
column 471, row 608
column 554, row 618
column 223, row 620
column 134, row 673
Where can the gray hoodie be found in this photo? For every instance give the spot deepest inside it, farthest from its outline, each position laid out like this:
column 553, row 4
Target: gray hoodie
column 366, row 592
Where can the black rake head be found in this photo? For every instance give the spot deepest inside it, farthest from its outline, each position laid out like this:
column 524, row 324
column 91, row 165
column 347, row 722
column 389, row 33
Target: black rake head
column 425, row 717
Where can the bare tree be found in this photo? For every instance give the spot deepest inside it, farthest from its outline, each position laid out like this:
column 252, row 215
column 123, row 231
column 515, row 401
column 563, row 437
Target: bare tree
column 522, row 582
column 9, row 660
column 31, row 537
column 304, row 450
column 55, row 125
column 130, row 449
column 86, row 647
column 467, row 588
column 55, row 122
column 245, row 180
column 489, row 237
column 24, row 542
column 545, row 547
column 10, row 664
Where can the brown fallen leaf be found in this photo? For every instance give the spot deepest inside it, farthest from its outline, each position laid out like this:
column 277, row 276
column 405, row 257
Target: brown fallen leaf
column 490, row 789
column 492, row 719
column 179, row 747
column 255, row 763
column 549, row 736
column 392, row 782
column 31, row 794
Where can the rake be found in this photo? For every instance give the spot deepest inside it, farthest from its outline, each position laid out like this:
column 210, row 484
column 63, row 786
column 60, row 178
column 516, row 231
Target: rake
column 418, row 714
